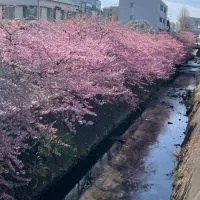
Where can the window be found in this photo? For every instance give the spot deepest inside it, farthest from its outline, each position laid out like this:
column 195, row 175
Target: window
column 131, row 17
column 8, row 12
column 168, row 24
column 162, row 20
column 62, row 16
column 30, row 12
column 163, row 9
column 131, row 5
column 49, row 13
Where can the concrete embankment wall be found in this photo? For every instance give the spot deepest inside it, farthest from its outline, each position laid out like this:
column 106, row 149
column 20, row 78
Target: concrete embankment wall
column 187, row 175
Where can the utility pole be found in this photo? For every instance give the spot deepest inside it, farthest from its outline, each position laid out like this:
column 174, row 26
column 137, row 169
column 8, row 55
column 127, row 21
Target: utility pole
column 38, row 9
column 83, row 7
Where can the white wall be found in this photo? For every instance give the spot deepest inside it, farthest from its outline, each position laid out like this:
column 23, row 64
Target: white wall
column 163, row 15
column 58, row 14
column 44, row 4
column 19, row 2
column 53, row 4
column 43, row 12
column 19, row 12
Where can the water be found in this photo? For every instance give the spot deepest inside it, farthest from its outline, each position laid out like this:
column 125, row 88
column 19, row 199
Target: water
column 161, row 159
column 141, row 168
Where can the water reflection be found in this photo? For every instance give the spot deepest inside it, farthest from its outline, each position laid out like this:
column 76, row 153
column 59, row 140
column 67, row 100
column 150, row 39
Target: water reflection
column 141, row 168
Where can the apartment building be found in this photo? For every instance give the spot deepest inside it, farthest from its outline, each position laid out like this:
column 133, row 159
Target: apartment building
column 195, row 25
column 111, row 13
column 92, row 7
column 154, row 11
column 35, row 9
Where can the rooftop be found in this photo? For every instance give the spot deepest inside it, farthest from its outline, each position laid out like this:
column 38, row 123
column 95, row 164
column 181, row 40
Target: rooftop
column 68, row 2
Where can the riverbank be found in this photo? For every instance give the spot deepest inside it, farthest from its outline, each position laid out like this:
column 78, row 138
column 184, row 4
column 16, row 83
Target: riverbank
column 187, row 175
column 133, row 166
column 100, row 138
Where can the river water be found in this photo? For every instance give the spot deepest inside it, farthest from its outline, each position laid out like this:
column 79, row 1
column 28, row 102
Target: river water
column 161, row 158
column 140, row 166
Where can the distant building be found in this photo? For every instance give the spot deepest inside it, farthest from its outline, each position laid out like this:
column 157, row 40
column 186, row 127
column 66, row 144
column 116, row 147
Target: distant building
column 195, row 25
column 36, row 9
column 111, row 13
column 154, row 11
column 91, row 7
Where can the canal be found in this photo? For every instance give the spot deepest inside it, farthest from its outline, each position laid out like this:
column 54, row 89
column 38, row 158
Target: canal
column 139, row 164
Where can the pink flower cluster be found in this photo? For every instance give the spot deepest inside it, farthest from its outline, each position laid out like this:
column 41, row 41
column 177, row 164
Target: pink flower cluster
column 52, row 68
column 188, row 39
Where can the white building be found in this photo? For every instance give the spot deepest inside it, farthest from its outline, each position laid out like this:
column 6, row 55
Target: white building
column 35, row 9
column 154, row 11
column 111, row 13
column 94, row 3
column 195, row 25
column 92, row 7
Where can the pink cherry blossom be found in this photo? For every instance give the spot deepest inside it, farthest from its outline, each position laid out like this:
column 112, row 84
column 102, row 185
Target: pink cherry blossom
column 62, row 69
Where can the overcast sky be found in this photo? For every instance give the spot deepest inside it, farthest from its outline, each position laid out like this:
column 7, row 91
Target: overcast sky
column 174, row 7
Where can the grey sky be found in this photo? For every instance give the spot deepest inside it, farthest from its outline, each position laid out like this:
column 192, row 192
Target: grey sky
column 174, row 7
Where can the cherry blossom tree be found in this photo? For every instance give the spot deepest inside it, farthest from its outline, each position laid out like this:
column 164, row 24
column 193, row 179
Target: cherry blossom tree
column 188, row 39
column 63, row 68
column 140, row 26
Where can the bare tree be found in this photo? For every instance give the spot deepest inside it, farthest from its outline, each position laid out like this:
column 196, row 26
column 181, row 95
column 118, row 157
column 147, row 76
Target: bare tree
column 183, row 20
